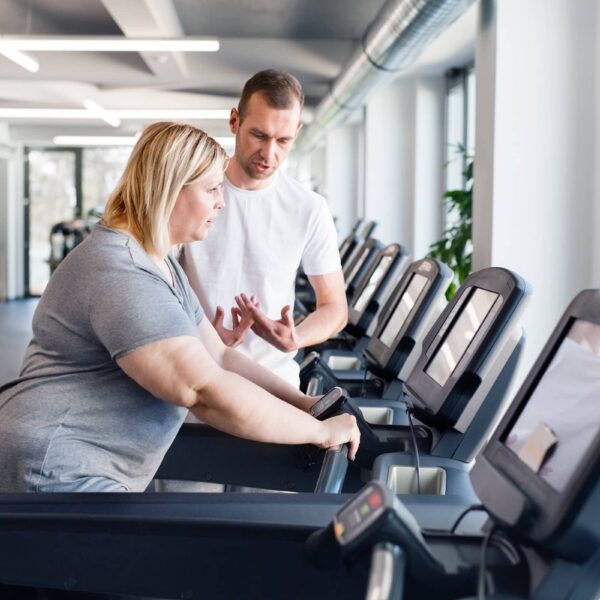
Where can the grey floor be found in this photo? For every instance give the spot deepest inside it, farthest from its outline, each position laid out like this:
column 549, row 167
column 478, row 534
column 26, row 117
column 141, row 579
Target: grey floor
column 15, row 333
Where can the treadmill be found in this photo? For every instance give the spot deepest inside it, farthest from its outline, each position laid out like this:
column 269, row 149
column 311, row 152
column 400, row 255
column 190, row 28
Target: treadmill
column 360, row 232
column 451, row 420
column 353, row 269
column 305, row 297
column 538, row 481
column 391, row 353
column 371, row 287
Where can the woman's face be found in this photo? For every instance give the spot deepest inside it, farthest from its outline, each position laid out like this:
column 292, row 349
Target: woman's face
column 196, row 208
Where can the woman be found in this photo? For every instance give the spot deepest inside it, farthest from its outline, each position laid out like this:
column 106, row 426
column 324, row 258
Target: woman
column 121, row 350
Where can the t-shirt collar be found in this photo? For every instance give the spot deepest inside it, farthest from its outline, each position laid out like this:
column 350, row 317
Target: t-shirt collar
column 274, row 178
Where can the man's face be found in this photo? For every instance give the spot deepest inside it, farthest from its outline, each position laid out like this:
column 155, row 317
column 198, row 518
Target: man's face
column 264, row 138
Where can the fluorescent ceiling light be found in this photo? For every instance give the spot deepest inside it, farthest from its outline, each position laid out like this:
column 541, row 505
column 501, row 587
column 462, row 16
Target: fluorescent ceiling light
column 94, row 140
column 101, row 112
column 27, row 62
column 108, row 44
column 115, row 140
column 129, row 114
column 225, row 141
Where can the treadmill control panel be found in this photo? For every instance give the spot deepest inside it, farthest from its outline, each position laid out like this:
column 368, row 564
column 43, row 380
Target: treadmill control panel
column 362, row 513
column 328, row 404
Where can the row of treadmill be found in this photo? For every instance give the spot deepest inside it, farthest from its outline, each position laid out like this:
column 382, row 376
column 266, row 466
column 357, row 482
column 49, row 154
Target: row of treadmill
column 462, row 487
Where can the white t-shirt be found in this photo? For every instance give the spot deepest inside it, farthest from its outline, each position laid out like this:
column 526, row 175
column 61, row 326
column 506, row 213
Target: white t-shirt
column 255, row 247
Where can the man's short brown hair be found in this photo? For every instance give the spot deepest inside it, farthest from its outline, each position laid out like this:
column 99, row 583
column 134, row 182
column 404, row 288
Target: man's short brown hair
column 278, row 88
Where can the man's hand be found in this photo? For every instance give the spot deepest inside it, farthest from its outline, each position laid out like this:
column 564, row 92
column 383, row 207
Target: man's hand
column 280, row 333
column 242, row 322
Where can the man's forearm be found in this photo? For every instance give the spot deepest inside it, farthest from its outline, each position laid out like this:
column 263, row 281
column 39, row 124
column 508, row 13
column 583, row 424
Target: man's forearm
column 320, row 325
column 238, row 363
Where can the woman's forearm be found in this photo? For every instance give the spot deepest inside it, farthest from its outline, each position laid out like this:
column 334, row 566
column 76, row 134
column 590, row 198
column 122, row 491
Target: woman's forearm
column 237, row 406
column 238, row 363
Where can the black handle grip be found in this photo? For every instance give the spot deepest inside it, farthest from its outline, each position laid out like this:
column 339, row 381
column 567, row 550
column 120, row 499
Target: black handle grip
column 333, row 471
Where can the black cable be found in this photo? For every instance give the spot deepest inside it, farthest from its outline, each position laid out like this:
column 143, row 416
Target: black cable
column 416, row 448
column 464, row 513
column 363, row 386
column 482, row 561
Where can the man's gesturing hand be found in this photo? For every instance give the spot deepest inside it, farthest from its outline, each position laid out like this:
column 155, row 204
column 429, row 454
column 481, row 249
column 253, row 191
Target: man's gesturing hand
column 280, row 333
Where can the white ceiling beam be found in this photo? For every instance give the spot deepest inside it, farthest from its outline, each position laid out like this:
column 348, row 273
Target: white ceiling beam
column 151, row 18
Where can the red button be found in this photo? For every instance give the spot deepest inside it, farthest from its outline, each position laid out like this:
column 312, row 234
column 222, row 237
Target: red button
column 375, row 500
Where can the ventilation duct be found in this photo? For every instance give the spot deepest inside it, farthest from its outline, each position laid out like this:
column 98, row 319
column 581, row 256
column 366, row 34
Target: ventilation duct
column 401, row 30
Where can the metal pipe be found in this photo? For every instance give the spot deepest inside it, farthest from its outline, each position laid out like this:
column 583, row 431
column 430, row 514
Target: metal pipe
column 399, row 33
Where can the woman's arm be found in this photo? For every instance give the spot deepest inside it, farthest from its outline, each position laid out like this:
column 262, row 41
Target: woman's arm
column 236, row 362
column 182, row 371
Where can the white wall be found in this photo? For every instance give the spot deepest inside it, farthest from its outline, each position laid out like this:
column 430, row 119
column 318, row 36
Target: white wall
column 428, row 168
column 596, row 221
column 389, row 161
column 342, row 185
column 11, row 222
column 535, row 198
column 404, row 158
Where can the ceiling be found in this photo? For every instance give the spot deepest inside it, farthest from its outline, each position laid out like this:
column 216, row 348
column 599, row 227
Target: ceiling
column 312, row 39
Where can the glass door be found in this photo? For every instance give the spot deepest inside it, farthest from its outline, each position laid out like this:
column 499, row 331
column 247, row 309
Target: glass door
column 52, row 195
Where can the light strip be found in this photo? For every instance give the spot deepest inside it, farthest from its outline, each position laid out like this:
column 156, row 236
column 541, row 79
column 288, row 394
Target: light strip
column 94, row 140
column 129, row 114
column 27, row 62
column 101, row 112
column 115, row 140
column 108, row 44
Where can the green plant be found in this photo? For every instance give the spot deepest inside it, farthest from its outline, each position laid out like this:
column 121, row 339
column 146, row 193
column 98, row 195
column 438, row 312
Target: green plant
column 456, row 247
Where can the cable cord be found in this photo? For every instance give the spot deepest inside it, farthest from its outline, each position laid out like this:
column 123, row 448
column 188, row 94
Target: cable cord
column 363, row 386
column 464, row 513
column 481, row 579
column 415, row 446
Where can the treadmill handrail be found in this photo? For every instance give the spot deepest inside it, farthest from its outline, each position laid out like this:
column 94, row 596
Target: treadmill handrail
column 386, row 577
column 333, row 471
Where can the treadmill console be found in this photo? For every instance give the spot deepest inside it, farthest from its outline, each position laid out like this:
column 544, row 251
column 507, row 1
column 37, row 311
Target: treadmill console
column 329, row 405
column 364, row 512
column 372, row 516
column 366, row 299
column 462, row 343
column 358, row 263
column 539, row 474
column 400, row 318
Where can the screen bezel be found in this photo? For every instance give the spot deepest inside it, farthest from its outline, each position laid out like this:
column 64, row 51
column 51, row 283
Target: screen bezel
column 422, row 284
column 437, row 405
column 359, row 320
column 376, row 264
column 477, row 335
column 546, row 507
column 378, row 352
column 372, row 247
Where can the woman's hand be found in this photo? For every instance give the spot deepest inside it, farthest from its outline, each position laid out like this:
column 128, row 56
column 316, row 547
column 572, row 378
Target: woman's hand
column 242, row 322
column 341, row 430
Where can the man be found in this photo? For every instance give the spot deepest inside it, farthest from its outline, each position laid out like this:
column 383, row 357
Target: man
column 270, row 225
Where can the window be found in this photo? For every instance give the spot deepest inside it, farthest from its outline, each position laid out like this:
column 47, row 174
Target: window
column 64, row 186
column 460, row 124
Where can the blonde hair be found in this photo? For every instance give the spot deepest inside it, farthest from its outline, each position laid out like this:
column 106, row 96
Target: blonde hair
column 167, row 157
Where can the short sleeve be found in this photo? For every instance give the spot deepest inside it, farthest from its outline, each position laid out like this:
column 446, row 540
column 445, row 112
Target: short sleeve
column 321, row 254
column 191, row 301
column 132, row 307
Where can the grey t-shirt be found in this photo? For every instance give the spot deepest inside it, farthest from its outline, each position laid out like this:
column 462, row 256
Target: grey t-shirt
column 73, row 420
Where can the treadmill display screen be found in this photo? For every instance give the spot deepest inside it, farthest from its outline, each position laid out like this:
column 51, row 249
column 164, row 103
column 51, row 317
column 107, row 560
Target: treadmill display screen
column 561, row 418
column 357, row 265
column 408, row 299
column 460, row 335
column 374, row 281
